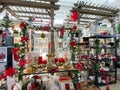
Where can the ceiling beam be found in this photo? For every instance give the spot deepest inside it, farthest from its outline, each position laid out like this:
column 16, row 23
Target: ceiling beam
column 96, row 7
column 99, row 13
column 10, row 11
column 29, row 4
column 35, row 17
column 88, row 18
column 29, row 12
column 50, row 0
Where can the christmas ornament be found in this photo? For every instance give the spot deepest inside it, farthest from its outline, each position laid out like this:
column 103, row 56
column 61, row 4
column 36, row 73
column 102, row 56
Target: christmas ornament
column 42, row 35
column 22, row 25
column 73, row 43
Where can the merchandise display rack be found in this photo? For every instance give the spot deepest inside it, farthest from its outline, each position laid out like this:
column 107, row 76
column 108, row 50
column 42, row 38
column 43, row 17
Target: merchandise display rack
column 113, row 48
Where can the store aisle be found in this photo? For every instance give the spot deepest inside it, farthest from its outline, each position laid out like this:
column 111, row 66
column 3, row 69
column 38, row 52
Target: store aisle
column 112, row 86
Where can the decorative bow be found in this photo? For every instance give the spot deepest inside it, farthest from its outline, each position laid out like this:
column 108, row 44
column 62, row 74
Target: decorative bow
column 22, row 62
column 24, row 39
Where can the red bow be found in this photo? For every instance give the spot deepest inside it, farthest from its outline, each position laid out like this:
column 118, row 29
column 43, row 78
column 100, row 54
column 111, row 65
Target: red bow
column 72, row 43
column 22, row 62
column 75, row 16
column 22, row 25
column 10, row 71
column 24, row 39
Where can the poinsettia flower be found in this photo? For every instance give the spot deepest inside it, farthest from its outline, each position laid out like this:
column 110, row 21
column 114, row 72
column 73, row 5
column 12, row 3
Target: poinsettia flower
column 79, row 66
column 10, row 71
column 2, row 77
column 74, row 28
column 72, row 43
column 75, row 16
column 15, row 50
column 16, row 57
column 22, row 25
column 22, row 62
column 24, row 39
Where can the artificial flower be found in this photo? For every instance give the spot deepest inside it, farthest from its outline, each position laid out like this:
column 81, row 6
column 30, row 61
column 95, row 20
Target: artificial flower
column 24, row 39
column 73, row 43
column 22, row 25
column 16, row 57
column 79, row 66
column 75, row 16
column 10, row 71
column 22, row 62
column 15, row 50
column 74, row 28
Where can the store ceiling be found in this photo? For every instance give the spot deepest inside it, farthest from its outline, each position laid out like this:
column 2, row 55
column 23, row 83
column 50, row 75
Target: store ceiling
column 42, row 15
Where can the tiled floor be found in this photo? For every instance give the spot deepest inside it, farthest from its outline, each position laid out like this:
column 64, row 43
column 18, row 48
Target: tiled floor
column 112, row 86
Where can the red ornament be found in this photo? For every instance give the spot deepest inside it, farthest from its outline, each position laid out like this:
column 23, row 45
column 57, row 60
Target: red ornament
column 22, row 62
column 56, row 60
column 75, row 16
column 74, row 28
column 39, row 59
column 22, row 25
column 114, row 59
column 24, row 39
column 73, row 43
column 62, row 60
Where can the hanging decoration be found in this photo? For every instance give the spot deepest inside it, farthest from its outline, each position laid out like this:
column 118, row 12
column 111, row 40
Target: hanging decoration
column 75, row 16
column 20, row 51
column 61, row 32
column 42, row 35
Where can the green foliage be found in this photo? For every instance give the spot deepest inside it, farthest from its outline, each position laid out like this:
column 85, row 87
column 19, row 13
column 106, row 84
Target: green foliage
column 118, row 28
column 7, row 22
